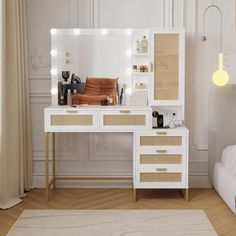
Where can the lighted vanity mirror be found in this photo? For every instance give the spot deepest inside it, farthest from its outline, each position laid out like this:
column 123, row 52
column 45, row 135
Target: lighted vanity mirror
column 91, row 53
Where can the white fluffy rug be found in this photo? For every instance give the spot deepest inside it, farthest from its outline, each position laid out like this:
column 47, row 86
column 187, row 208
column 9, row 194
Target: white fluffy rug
column 112, row 223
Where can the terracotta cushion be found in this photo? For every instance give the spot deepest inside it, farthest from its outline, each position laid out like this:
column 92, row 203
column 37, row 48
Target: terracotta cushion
column 100, row 86
column 85, row 99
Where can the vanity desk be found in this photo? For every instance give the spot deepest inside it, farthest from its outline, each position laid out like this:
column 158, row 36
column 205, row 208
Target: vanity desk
column 153, row 76
column 160, row 156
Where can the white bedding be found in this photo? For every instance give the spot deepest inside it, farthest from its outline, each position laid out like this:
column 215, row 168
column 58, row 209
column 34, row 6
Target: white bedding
column 229, row 159
column 225, row 185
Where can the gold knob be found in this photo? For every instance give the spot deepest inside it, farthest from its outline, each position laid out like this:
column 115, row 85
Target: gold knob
column 161, row 133
column 124, row 111
column 72, row 111
column 161, row 169
column 161, row 151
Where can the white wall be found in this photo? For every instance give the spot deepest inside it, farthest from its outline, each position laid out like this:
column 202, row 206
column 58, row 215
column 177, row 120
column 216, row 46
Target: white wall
column 99, row 153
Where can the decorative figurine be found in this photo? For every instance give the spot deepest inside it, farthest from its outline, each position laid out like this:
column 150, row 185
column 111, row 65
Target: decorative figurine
column 75, row 79
column 65, row 76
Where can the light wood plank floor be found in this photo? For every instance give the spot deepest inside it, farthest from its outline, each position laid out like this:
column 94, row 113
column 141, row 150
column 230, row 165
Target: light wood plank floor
column 223, row 220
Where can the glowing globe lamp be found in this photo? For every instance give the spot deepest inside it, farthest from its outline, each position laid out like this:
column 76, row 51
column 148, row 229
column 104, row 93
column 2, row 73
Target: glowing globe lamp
column 220, row 77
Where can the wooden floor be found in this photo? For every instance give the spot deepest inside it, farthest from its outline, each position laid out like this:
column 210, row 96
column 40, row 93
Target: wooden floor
column 223, row 220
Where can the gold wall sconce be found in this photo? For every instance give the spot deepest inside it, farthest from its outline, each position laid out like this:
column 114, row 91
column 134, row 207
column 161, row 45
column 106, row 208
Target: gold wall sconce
column 220, row 77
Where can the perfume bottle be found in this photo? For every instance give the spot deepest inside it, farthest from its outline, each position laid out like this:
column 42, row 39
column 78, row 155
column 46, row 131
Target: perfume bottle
column 69, row 98
column 144, row 44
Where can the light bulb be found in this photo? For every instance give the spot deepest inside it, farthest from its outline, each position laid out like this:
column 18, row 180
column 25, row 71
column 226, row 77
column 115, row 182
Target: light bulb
column 54, row 91
column 104, row 31
column 129, row 71
column 53, row 71
column 53, row 31
column 129, row 52
column 53, row 52
column 129, row 31
column 129, row 91
column 220, row 77
column 76, row 31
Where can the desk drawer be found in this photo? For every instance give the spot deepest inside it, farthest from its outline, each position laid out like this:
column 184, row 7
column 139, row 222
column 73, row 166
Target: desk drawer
column 126, row 119
column 153, row 156
column 160, row 177
column 166, row 138
column 160, row 140
column 71, row 120
column 146, row 159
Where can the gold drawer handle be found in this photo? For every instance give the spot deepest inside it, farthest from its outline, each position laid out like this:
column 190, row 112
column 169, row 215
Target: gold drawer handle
column 72, row 111
column 161, row 169
column 161, row 133
column 161, row 151
column 124, row 111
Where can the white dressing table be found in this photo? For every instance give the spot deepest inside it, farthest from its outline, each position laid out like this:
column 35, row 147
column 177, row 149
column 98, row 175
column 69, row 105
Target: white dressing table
column 160, row 156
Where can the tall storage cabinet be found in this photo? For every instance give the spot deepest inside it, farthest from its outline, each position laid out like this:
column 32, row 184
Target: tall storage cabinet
column 161, row 154
column 167, row 72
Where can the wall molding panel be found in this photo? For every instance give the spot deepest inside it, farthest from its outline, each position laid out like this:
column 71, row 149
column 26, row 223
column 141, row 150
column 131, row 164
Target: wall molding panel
column 73, row 15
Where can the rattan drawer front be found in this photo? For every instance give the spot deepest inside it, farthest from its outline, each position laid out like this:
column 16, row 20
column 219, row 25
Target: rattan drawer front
column 160, row 177
column 160, row 159
column 160, row 140
column 72, row 120
column 124, row 120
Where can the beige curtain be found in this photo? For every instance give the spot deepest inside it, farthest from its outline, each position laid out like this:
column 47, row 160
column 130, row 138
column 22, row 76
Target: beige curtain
column 15, row 125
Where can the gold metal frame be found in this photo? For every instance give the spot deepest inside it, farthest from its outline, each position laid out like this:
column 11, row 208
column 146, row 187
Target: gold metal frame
column 52, row 182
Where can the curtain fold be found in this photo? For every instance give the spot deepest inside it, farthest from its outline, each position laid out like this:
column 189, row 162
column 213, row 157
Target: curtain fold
column 15, row 136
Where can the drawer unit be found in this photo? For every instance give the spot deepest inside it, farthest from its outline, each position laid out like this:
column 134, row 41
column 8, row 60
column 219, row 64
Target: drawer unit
column 161, row 159
column 70, row 120
column 125, row 120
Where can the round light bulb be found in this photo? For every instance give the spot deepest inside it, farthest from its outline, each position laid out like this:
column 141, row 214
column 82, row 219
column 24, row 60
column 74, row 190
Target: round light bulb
column 53, row 52
column 220, row 77
column 53, row 71
column 76, row 31
column 104, row 31
column 53, row 31
column 54, row 91
column 129, row 53
column 129, row 31
column 129, row 71
column 129, row 91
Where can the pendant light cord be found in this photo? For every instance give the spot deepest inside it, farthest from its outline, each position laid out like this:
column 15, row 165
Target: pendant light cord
column 204, row 38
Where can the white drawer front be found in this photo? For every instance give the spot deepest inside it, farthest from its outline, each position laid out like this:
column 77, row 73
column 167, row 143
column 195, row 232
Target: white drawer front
column 161, row 177
column 70, row 120
column 160, row 157
column 157, row 158
column 167, row 138
column 123, row 120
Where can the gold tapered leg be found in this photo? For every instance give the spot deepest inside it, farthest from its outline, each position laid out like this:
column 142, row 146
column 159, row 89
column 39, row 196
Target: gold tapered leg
column 53, row 160
column 186, row 194
column 134, row 194
column 46, row 166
